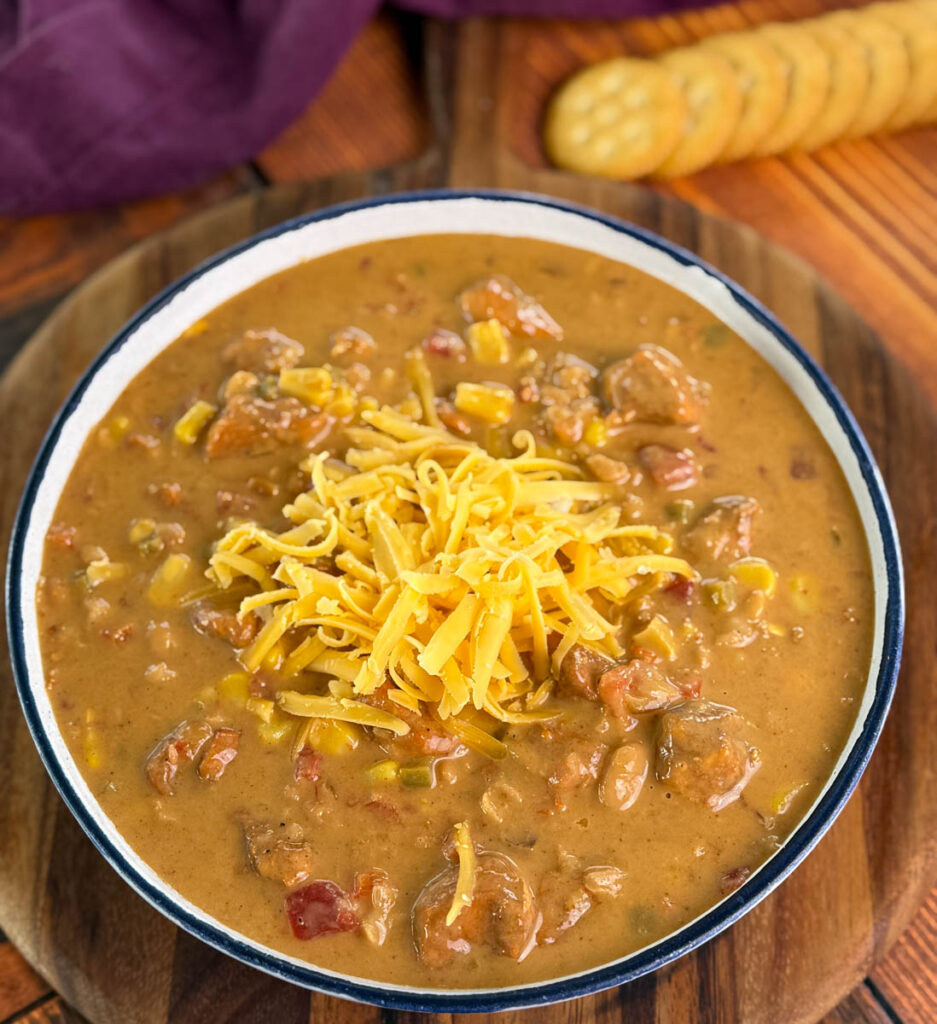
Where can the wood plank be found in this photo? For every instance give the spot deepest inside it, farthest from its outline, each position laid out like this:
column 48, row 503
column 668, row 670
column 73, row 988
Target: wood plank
column 859, row 1007
column 53, row 1010
column 42, row 257
column 907, row 977
column 344, row 128
column 19, row 983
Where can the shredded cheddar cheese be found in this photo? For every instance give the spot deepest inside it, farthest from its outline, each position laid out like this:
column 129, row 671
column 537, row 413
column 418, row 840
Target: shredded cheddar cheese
column 454, row 567
column 465, row 881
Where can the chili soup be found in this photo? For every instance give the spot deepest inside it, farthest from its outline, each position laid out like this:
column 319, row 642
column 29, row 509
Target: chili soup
column 456, row 611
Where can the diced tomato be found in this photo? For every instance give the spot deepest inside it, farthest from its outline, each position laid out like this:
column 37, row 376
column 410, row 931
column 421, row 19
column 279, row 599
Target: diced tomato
column 319, row 908
column 308, row 765
column 445, row 343
column 681, row 589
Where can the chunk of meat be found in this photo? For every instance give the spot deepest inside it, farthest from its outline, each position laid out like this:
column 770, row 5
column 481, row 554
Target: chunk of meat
column 378, row 894
column 241, row 382
column 60, row 535
column 610, row 471
column 652, row 386
column 320, row 908
column 568, row 422
column 500, row 298
column 580, row 671
column 604, row 881
column 624, row 776
column 266, row 351
column 227, row 626
column 733, row 880
column 308, row 765
column 279, row 853
column 671, row 468
column 503, row 913
column 447, row 344
column 452, row 419
column 570, row 378
column 254, row 426
column 564, row 901
column 578, row 765
column 637, row 686
column 724, row 530
column 220, row 751
column 168, row 494
column 178, row 748
column 704, row 753
column 426, row 737
column 351, row 344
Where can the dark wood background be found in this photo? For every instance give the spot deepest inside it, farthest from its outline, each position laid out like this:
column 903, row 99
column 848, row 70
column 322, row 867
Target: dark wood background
column 863, row 213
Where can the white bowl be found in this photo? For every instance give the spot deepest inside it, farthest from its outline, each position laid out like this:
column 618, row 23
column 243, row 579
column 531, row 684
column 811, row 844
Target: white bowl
column 199, row 292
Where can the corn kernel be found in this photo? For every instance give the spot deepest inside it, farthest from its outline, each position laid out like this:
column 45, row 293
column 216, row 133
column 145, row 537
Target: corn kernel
column 261, row 707
column 721, row 593
column 342, row 403
column 194, row 330
column 235, row 687
column 596, row 434
column 381, row 772
column 492, row 403
column 169, row 582
column 192, row 422
column 805, row 592
column 141, row 530
column 312, row 384
column 276, row 730
column 103, row 571
column 755, row 573
column 332, row 737
column 657, row 636
column 489, row 342
column 341, row 688
column 92, row 749
column 368, row 404
column 411, row 407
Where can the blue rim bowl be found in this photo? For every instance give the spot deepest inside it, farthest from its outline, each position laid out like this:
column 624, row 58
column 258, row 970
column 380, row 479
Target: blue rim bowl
column 427, row 213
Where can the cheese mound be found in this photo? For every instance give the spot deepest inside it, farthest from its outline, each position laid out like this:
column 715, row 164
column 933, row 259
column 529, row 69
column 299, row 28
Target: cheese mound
column 424, row 562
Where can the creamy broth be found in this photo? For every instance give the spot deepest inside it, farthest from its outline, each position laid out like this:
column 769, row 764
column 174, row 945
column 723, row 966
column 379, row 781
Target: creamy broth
column 775, row 623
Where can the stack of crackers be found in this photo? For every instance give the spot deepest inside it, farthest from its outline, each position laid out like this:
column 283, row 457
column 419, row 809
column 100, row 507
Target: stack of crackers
column 792, row 86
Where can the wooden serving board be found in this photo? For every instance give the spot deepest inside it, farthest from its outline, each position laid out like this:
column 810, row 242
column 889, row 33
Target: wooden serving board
column 791, row 959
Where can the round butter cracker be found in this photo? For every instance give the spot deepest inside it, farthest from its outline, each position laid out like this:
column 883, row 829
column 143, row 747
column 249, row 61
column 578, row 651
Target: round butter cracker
column 620, row 119
column 919, row 33
column 928, row 7
column 849, row 84
column 808, row 84
column 713, row 107
column 889, row 68
column 762, row 76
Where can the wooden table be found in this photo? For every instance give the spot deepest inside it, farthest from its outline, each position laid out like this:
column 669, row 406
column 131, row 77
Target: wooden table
column 873, row 200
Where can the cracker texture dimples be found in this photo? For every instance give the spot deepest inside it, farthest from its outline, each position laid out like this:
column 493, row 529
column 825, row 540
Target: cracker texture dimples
column 889, row 68
column 849, row 84
column 808, row 84
column 619, row 119
column 713, row 107
column 919, row 33
column 762, row 75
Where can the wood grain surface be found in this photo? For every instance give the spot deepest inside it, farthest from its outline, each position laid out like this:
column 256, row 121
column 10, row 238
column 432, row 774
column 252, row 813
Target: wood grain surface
column 859, row 212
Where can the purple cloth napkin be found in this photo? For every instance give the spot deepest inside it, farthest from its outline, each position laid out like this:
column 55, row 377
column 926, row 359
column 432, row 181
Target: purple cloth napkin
column 105, row 100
